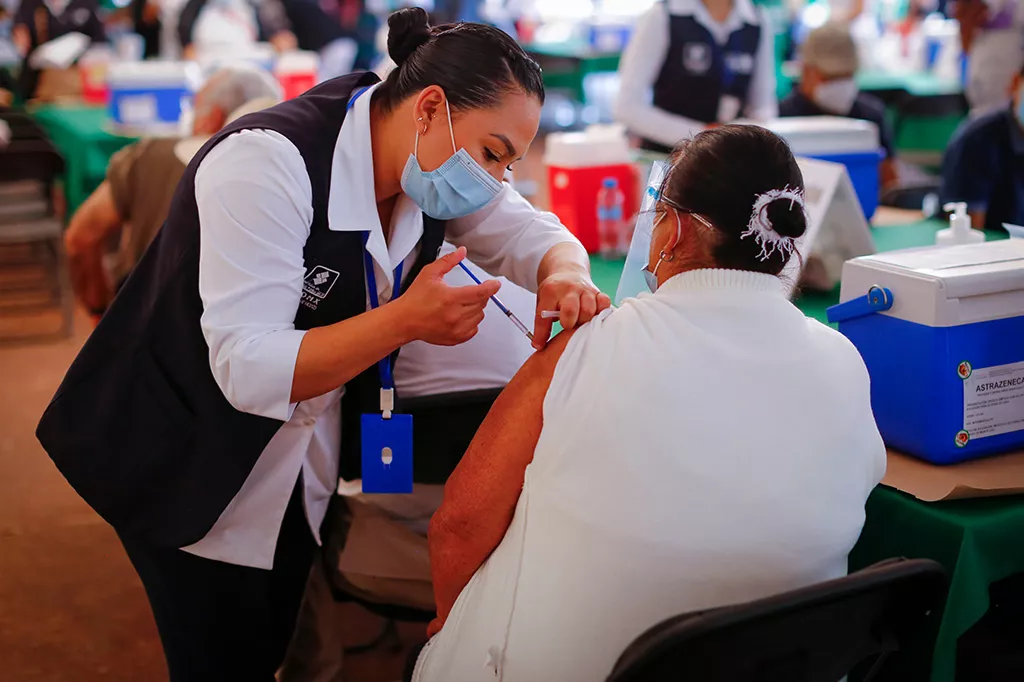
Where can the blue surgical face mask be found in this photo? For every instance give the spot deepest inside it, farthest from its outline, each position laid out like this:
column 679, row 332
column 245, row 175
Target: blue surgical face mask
column 651, row 276
column 456, row 189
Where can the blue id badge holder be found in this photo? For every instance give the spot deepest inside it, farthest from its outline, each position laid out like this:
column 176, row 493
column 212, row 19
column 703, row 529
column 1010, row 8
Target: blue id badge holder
column 386, row 439
column 387, row 448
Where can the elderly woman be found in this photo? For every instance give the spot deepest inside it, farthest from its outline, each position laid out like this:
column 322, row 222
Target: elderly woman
column 702, row 445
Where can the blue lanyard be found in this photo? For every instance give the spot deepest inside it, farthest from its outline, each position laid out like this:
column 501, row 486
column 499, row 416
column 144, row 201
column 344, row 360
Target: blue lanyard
column 387, row 380
column 384, row 366
column 354, row 97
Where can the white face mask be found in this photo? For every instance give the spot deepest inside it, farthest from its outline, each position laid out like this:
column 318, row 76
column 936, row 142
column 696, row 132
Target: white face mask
column 836, row 97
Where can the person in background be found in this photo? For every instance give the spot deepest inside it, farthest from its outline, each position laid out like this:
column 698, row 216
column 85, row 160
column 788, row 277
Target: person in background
column 992, row 37
column 140, row 183
column 39, row 21
column 146, row 22
column 342, row 31
column 394, row 568
column 827, row 88
column 984, row 164
column 232, row 24
column 695, row 63
column 700, row 446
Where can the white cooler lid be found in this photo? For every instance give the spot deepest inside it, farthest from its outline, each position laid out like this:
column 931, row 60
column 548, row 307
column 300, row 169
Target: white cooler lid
column 945, row 286
column 808, row 135
column 598, row 145
column 154, row 74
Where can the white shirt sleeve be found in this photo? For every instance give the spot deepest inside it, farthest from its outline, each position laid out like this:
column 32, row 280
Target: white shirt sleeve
column 641, row 63
column 509, row 237
column 762, row 101
column 255, row 211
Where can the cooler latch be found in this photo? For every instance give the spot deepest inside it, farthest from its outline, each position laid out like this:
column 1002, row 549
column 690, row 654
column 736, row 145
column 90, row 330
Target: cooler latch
column 877, row 299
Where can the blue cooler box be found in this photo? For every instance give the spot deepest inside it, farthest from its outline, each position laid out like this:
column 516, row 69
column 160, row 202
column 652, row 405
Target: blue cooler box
column 149, row 98
column 851, row 142
column 941, row 331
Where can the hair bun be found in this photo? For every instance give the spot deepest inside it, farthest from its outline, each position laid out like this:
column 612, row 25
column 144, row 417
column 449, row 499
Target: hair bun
column 407, row 30
column 788, row 218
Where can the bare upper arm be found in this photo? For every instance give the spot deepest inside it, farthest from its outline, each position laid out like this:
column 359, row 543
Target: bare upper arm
column 490, row 476
column 95, row 220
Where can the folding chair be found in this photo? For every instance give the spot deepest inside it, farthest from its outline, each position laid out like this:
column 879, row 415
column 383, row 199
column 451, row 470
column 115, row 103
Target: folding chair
column 815, row 634
column 33, row 274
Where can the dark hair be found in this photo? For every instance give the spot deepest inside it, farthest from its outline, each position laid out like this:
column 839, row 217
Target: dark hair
column 719, row 175
column 474, row 64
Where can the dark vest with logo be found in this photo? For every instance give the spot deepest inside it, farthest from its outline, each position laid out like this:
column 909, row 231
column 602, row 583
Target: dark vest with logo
column 698, row 71
column 139, row 426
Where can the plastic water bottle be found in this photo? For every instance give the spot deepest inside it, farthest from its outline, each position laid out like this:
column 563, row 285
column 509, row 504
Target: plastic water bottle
column 609, row 218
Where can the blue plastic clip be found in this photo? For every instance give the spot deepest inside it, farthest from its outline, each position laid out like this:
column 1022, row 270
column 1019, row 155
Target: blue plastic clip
column 877, row 299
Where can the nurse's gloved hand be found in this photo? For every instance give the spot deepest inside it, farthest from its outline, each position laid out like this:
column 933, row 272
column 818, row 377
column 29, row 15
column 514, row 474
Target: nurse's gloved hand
column 574, row 296
column 441, row 314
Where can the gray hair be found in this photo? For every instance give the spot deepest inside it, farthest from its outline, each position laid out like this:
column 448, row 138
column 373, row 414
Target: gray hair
column 831, row 49
column 233, row 86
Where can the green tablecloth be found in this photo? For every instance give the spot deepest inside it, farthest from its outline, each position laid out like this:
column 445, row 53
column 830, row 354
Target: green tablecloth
column 79, row 132
column 978, row 541
column 919, row 84
column 568, row 63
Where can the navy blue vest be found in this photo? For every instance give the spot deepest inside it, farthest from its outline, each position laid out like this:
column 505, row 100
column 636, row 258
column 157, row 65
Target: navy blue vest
column 139, row 426
column 698, row 71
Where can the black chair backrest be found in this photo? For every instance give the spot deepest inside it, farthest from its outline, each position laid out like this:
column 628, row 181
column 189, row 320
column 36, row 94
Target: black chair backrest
column 23, row 126
column 32, row 159
column 815, row 634
column 933, row 105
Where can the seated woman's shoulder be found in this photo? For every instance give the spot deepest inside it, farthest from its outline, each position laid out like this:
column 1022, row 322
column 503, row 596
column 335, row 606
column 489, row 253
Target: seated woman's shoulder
column 833, row 343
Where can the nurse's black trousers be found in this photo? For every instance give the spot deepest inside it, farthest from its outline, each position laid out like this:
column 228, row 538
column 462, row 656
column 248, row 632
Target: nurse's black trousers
column 220, row 622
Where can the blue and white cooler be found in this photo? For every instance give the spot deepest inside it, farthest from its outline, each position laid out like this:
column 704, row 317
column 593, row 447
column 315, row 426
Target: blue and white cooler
column 941, row 331
column 149, row 98
column 851, row 142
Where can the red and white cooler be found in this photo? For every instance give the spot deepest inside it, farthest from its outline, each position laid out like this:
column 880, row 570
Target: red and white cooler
column 577, row 164
column 297, row 72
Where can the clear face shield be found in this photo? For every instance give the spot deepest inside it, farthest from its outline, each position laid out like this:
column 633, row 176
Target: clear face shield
column 632, row 281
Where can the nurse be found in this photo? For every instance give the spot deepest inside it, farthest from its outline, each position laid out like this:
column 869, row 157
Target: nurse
column 204, row 417
column 692, row 64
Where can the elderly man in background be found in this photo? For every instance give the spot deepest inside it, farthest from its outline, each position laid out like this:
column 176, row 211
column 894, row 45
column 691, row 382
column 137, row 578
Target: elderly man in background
column 984, row 164
column 827, row 88
column 141, row 180
column 992, row 37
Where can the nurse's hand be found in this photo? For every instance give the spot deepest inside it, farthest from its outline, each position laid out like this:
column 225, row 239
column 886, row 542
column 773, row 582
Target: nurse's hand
column 575, row 297
column 442, row 314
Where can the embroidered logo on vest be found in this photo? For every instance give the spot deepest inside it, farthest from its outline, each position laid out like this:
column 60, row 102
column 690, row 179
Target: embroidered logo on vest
column 739, row 62
column 317, row 284
column 697, row 57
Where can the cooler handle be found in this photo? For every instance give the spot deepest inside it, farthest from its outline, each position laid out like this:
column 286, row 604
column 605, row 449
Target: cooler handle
column 877, row 299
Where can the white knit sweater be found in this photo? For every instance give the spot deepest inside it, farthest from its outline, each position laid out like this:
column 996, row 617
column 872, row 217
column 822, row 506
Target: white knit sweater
column 702, row 446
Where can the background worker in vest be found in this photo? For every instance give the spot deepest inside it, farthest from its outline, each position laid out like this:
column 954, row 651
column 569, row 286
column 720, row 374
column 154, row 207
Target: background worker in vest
column 209, row 416
column 695, row 63
column 37, row 22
